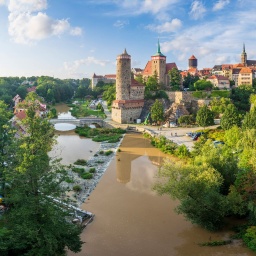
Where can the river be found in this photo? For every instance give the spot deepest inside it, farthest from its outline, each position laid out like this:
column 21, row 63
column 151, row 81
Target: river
column 131, row 219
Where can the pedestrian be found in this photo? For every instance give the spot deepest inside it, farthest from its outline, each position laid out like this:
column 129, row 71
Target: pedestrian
column 171, row 133
column 176, row 134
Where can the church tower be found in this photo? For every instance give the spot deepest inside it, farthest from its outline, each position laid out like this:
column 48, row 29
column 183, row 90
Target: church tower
column 159, row 65
column 244, row 57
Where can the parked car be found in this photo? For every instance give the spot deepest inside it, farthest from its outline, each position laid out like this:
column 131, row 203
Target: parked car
column 197, row 135
column 217, row 142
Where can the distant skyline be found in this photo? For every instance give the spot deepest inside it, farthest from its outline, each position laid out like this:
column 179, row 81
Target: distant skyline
column 76, row 38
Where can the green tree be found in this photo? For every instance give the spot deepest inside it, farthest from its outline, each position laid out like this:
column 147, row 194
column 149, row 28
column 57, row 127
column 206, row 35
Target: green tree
column 204, row 117
column 157, row 112
column 249, row 121
column 189, row 81
column 35, row 223
column 6, row 142
column 240, row 97
column 186, row 119
column 230, row 117
column 203, row 85
column 175, row 77
column 218, row 106
column 197, row 189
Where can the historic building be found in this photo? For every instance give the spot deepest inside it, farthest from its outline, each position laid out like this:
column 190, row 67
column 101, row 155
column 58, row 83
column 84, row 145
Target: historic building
column 129, row 93
column 158, row 66
column 111, row 79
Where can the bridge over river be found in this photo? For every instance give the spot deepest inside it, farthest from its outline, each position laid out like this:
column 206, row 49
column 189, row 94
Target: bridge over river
column 80, row 121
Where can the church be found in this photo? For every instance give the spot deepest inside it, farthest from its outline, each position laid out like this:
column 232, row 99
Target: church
column 158, row 66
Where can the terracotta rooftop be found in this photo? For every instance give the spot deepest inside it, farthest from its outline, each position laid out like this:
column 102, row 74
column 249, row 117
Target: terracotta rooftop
column 170, row 66
column 245, row 70
column 111, row 76
column 21, row 114
column 136, row 83
column 192, row 58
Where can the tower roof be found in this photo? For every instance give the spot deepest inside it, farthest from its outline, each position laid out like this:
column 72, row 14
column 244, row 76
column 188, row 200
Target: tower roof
column 192, row 58
column 158, row 53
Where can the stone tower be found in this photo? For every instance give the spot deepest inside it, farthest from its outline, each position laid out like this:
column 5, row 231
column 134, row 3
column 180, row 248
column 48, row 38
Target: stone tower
column 192, row 62
column 244, row 57
column 159, row 65
column 123, row 76
column 129, row 93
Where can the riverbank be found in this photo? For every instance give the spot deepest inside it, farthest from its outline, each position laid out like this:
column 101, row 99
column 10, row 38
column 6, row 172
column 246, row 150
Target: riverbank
column 100, row 162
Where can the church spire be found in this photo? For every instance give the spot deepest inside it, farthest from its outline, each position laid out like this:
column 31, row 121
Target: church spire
column 158, row 47
column 243, row 48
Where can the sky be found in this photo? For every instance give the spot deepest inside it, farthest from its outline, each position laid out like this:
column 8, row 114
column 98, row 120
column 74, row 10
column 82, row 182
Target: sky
column 76, row 38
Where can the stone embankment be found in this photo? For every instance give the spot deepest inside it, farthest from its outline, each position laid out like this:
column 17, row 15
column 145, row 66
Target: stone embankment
column 100, row 162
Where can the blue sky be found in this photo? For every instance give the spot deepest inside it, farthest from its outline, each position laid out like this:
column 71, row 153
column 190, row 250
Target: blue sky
column 76, row 38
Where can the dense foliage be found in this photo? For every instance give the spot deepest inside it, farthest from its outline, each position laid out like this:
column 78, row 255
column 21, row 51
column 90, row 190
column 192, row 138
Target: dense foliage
column 34, row 223
column 157, row 112
column 204, row 117
column 101, row 134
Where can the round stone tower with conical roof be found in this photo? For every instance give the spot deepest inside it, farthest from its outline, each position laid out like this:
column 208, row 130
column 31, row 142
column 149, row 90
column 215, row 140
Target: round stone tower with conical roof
column 123, row 76
column 159, row 65
column 192, row 62
column 129, row 93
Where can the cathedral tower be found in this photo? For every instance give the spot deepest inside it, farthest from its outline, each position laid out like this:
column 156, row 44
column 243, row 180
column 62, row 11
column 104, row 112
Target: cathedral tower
column 244, row 57
column 159, row 65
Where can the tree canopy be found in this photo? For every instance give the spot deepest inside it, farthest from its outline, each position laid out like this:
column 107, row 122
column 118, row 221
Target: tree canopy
column 157, row 111
column 204, row 117
column 34, row 223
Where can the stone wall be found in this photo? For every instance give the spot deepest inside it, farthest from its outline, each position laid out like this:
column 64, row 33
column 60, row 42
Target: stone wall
column 179, row 97
column 126, row 115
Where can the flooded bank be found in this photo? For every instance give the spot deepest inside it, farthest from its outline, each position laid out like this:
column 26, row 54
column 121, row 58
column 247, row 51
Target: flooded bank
column 131, row 219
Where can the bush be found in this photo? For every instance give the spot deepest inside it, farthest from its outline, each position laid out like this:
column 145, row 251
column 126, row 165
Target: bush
column 250, row 238
column 92, row 170
column 80, row 162
column 109, row 152
column 86, row 175
column 77, row 188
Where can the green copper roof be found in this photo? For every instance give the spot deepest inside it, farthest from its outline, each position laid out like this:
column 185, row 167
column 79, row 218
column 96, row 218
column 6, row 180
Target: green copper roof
column 159, row 50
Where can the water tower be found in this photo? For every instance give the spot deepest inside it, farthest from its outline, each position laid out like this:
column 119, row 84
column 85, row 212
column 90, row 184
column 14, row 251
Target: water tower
column 192, row 62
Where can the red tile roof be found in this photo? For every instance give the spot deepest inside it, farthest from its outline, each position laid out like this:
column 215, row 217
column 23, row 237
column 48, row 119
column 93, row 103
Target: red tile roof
column 148, row 69
column 136, row 83
column 245, row 70
column 31, row 89
column 111, row 76
column 192, row 58
column 21, row 114
column 170, row 66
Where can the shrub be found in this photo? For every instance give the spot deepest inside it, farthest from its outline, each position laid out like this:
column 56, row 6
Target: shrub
column 80, row 162
column 86, row 175
column 77, row 188
column 101, row 152
column 109, row 152
column 92, row 170
column 250, row 238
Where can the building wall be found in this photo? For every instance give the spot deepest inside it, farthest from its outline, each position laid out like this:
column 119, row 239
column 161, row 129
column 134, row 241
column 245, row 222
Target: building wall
column 125, row 115
column 245, row 79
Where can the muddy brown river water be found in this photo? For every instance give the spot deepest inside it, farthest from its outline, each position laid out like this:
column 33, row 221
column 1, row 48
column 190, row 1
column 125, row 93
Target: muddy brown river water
column 132, row 220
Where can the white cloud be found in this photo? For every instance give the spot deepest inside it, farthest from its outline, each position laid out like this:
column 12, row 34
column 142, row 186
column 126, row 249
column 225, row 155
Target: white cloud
column 121, row 23
column 2, row 2
column 27, row 5
column 197, row 10
column 77, row 31
column 172, row 26
column 27, row 24
column 220, row 5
